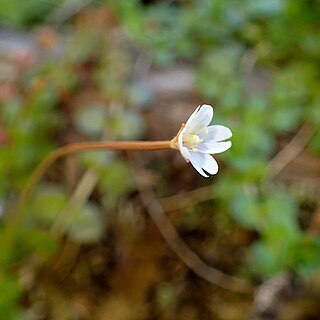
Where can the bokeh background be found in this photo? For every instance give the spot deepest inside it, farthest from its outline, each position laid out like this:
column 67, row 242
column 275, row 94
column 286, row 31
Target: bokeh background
column 141, row 235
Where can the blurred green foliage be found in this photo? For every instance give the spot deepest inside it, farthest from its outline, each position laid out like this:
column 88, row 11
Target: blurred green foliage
column 20, row 14
column 257, row 61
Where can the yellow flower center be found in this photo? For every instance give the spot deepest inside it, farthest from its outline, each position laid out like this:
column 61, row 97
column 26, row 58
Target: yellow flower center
column 191, row 141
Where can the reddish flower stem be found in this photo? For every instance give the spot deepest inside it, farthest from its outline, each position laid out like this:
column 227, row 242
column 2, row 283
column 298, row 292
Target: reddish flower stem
column 87, row 146
column 68, row 150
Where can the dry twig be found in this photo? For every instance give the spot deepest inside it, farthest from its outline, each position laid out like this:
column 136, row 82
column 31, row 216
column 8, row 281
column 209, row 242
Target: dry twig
column 79, row 197
column 173, row 239
column 291, row 150
column 186, row 199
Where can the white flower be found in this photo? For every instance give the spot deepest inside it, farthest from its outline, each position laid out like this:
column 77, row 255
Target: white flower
column 196, row 140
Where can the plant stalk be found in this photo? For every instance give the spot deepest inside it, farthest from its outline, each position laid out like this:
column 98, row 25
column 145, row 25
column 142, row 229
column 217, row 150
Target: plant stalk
column 73, row 148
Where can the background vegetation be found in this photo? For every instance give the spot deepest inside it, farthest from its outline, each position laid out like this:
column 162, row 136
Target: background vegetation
column 85, row 247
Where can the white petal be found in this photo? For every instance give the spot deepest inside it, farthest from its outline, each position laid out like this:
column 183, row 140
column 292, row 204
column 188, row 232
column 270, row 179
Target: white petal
column 180, row 137
column 200, row 119
column 193, row 115
column 213, row 147
column 217, row 133
column 185, row 153
column 202, row 162
column 197, row 161
column 210, row 164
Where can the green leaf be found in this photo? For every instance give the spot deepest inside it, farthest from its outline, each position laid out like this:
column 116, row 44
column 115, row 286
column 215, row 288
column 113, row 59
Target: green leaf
column 314, row 144
column 125, row 125
column 307, row 255
column 246, row 210
column 141, row 95
column 11, row 293
column 115, row 182
column 91, row 120
column 48, row 201
column 87, row 224
column 280, row 218
column 38, row 241
column 265, row 9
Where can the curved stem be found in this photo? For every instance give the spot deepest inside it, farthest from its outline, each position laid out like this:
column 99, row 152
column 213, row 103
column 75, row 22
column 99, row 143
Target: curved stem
column 68, row 150
column 182, row 250
column 85, row 146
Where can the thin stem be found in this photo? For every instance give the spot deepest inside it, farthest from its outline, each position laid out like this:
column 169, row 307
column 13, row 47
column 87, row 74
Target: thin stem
column 85, row 146
column 68, row 150
column 171, row 236
column 291, row 150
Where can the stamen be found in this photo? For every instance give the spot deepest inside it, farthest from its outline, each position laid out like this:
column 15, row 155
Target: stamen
column 191, row 141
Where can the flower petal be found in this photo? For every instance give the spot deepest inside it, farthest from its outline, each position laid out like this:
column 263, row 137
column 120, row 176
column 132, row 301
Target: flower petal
column 193, row 115
column 200, row 118
column 180, row 137
column 202, row 162
column 213, row 147
column 217, row 133
column 185, row 153
column 210, row 164
column 197, row 161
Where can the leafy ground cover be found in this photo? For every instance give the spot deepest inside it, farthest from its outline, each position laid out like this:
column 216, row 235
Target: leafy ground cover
column 88, row 244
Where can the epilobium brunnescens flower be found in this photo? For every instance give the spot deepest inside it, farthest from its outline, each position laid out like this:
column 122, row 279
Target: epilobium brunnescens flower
column 196, row 140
